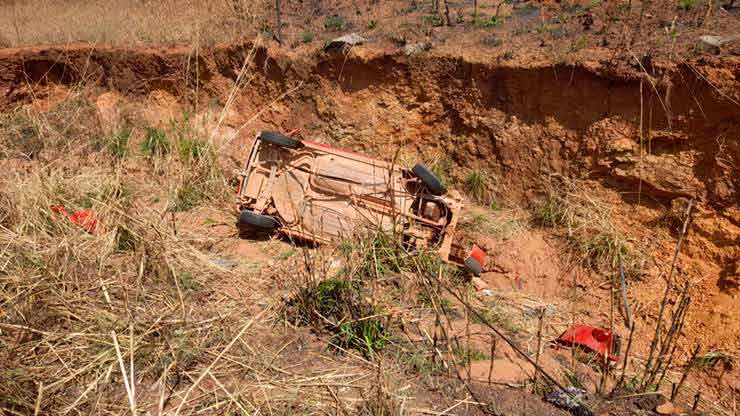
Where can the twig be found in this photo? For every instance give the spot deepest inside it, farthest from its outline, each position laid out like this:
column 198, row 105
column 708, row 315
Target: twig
column 493, row 357
column 626, row 359
column 539, row 347
column 669, row 286
column 129, row 393
column 686, row 371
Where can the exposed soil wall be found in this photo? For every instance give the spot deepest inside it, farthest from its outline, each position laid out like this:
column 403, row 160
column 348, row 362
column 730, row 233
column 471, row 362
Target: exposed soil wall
column 520, row 121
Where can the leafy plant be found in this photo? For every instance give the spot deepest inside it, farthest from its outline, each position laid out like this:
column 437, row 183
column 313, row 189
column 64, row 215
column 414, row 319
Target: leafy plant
column 372, row 24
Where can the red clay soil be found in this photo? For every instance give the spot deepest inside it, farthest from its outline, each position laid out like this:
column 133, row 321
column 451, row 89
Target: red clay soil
column 520, row 119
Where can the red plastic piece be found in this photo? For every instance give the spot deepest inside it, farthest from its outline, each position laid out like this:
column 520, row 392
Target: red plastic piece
column 84, row 218
column 598, row 340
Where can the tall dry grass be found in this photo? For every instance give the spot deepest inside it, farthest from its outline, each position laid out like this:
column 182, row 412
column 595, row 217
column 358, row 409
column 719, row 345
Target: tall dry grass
column 127, row 22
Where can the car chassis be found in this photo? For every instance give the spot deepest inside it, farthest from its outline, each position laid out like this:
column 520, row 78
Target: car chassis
column 318, row 193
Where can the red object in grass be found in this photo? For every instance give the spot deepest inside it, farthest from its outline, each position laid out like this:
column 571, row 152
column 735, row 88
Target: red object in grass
column 597, row 340
column 84, row 218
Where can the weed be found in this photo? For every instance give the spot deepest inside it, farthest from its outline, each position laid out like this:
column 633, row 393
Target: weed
column 420, row 362
column 462, row 353
column 550, row 212
column 476, row 184
column 192, row 149
column 334, row 23
column 306, row 37
column 433, row 20
column 188, row 282
column 492, row 21
column 286, row 254
column 574, row 380
column 20, row 133
column 116, row 144
column 579, row 44
column 187, row 197
column 442, row 169
column 155, row 143
column 372, row 24
column 686, row 4
column 711, row 359
column 337, row 306
column 496, row 315
column 424, row 299
column 126, row 240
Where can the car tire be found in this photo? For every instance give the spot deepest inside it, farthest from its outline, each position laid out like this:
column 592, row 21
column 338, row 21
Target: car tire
column 279, row 140
column 473, row 267
column 429, row 179
column 263, row 222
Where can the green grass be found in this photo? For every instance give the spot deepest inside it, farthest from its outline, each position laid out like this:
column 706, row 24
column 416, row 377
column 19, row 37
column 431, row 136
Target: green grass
column 187, row 197
column 338, row 306
column 335, row 23
column 687, row 4
column 433, row 20
column 126, row 240
column 498, row 316
column 117, row 143
column 492, row 21
column 155, row 143
column 461, row 354
column 306, row 37
column 476, row 185
column 191, row 149
column 420, row 362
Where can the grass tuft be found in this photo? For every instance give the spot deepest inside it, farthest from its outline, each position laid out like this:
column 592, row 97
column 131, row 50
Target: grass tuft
column 155, row 143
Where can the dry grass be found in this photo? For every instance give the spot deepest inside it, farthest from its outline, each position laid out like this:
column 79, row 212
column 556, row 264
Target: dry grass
column 127, row 22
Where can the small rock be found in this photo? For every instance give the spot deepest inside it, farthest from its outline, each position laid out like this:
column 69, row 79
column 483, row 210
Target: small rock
column 571, row 399
column 666, row 408
column 479, row 283
column 225, row 263
column 487, row 292
column 714, row 43
column 416, row 48
column 342, row 42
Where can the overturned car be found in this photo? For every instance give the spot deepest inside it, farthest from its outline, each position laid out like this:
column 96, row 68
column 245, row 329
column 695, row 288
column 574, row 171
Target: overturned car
column 319, row 193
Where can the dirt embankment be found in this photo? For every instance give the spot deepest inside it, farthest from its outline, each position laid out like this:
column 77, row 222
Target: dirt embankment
column 646, row 134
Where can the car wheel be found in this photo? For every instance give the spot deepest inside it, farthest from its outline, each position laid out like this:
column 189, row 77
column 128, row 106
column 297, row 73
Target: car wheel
column 472, row 266
column 429, row 179
column 279, row 140
column 264, row 222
